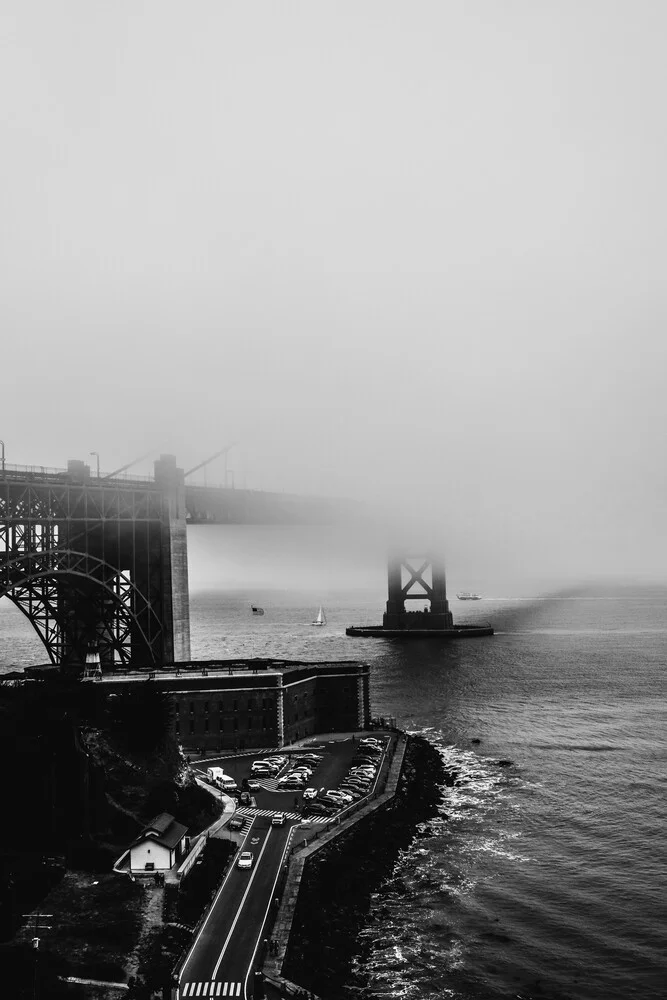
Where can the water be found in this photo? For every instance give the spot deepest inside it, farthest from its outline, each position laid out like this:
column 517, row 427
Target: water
column 541, row 879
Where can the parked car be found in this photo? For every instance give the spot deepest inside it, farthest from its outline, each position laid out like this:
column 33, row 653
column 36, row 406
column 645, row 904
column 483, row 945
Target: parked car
column 263, row 765
column 254, row 786
column 351, row 791
column 246, row 859
column 310, row 793
column 321, row 809
column 278, row 819
column 361, row 786
column 312, row 757
column 337, row 796
column 236, row 823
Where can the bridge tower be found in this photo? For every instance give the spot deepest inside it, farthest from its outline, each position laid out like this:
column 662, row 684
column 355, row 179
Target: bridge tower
column 416, row 578
column 101, row 561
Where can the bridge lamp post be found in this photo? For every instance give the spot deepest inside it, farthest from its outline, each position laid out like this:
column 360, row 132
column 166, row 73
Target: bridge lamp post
column 2, row 455
column 97, row 456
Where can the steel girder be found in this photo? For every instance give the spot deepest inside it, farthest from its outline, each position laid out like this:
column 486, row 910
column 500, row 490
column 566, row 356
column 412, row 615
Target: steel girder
column 84, row 564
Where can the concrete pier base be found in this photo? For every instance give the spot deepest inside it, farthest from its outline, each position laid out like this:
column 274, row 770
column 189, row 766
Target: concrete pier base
column 457, row 632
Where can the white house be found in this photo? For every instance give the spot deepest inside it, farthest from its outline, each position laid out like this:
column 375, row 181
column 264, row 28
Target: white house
column 159, row 846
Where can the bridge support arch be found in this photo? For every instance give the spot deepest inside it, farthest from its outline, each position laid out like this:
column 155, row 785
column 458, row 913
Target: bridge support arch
column 91, row 560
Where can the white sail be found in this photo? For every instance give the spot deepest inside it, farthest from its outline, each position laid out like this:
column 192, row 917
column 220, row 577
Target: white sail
column 321, row 617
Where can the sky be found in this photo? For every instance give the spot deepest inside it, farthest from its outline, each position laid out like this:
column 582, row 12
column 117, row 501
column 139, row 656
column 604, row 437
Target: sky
column 412, row 253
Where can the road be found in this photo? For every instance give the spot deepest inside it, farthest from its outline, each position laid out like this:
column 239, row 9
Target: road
column 229, row 945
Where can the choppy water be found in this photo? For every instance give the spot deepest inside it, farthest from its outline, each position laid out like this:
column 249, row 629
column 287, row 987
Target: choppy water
column 542, row 879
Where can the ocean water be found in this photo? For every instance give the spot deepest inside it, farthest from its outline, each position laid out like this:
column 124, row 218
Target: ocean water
column 542, row 878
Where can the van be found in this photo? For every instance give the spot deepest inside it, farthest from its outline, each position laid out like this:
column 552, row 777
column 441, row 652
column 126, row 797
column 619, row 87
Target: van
column 214, row 774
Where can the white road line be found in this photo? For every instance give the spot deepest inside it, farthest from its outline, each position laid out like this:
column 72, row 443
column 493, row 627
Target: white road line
column 208, row 915
column 218, row 990
column 269, row 905
column 240, row 908
column 224, row 989
column 199, row 986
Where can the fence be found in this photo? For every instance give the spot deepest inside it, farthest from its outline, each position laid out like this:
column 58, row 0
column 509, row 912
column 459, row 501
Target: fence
column 191, row 858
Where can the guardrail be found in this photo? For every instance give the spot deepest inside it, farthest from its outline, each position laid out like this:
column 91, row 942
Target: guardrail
column 191, row 858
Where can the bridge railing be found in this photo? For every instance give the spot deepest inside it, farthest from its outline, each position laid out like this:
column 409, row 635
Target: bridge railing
column 30, row 470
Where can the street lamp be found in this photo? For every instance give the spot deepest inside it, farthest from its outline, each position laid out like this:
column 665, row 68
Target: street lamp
column 97, row 456
column 2, row 455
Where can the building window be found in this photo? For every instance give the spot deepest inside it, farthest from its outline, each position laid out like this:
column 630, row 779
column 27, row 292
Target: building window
column 221, row 706
column 236, row 724
column 178, row 728
column 192, row 726
column 235, row 705
column 192, row 708
column 264, row 723
column 205, row 725
column 206, row 707
column 251, row 704
column 250, row 722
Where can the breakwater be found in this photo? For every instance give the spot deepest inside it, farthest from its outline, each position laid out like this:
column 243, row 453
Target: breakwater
column 326, row 951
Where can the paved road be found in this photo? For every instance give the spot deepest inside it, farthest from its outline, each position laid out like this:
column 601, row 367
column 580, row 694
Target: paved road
column 229, row 943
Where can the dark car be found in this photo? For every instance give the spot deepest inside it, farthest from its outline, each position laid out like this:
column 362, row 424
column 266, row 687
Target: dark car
column 236, row 823
column 320, row 809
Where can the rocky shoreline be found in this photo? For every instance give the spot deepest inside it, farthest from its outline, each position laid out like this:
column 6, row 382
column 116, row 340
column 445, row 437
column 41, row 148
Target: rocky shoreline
column 326, row 950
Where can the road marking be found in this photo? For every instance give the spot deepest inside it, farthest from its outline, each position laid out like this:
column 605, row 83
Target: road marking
column 215, row 900
column 285, row 854
column 212, row 989
column 240, row 908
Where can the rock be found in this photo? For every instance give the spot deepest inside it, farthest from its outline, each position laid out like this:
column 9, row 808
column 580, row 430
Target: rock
column 505, row 763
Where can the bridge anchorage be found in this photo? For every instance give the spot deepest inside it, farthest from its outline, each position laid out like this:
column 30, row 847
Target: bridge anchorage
column 417, row 578
column 98, row 561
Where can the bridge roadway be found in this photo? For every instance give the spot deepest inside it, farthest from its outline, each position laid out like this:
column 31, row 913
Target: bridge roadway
column 229, row 944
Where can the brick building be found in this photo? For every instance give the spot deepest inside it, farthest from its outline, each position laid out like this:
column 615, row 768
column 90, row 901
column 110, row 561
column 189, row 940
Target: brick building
column 239, row 704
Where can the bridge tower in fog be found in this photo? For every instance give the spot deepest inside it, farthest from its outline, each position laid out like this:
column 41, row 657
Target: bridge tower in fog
column 416, row 577
column 98, row 561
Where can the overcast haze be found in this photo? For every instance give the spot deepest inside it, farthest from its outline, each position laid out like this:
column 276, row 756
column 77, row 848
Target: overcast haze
column 402, row 251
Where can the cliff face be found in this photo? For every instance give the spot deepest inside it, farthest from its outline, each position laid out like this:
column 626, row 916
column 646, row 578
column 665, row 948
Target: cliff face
column 335, row 892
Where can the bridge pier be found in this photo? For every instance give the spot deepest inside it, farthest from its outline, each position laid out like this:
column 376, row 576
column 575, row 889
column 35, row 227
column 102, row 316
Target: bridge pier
column 425, row 583
column 176, row 600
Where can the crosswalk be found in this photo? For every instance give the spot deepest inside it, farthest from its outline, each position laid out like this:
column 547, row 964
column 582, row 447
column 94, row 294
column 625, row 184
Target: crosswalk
column 249, row 811
column 211, row 990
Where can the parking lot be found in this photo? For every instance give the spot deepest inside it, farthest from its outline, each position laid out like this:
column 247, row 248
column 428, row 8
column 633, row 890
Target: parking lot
column 337, row 758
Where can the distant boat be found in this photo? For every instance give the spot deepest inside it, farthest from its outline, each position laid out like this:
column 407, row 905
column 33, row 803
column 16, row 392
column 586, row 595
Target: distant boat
column 321, row 617
column 256, row 610
column 465, row 595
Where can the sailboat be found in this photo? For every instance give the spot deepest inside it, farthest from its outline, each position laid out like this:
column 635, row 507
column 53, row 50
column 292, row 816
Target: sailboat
column 255, row 610
column 321, row 617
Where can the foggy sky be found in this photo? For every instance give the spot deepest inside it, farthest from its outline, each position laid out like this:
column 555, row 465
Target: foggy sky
column 408, row 252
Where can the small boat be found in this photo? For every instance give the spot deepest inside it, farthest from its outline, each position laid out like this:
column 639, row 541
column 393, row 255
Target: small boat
column 321, row 617
column 255, row 610
column 465, row 595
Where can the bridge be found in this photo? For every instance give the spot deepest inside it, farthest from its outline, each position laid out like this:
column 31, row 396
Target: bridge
column 102, row 560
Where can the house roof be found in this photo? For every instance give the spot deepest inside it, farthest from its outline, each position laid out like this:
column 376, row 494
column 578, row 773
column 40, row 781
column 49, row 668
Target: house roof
column 163, row 829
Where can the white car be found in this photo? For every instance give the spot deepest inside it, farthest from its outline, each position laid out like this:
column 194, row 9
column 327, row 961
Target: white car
column 246, row 859
column 337, row 796
column 310, row 793
column 263, row 765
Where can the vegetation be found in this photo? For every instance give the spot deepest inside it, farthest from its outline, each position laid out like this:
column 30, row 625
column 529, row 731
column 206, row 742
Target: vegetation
column 96, row 768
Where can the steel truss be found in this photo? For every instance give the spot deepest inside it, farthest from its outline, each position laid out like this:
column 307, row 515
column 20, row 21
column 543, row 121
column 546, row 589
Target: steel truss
column 84, row 564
